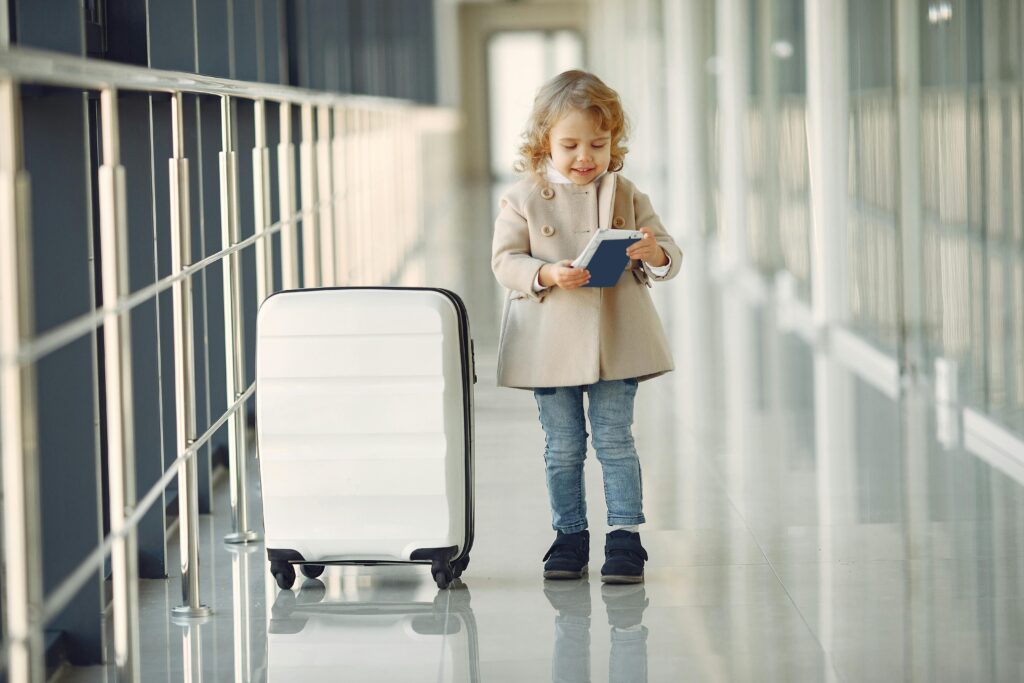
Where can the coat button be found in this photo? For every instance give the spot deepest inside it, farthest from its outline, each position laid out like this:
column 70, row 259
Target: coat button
column 619, row 222
column 547, row 231
column 547, row 193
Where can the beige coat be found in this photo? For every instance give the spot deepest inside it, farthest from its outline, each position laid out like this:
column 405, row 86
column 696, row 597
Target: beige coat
column 560, row 337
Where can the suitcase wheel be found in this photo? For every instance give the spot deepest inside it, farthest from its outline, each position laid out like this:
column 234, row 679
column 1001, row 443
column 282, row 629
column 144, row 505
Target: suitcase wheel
column 312, row 570
column 284, row 574
column 460, row 566
column 443, row 578
column 443, row 572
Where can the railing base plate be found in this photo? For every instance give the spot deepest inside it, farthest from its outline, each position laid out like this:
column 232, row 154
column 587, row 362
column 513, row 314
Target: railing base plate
column 242, row 537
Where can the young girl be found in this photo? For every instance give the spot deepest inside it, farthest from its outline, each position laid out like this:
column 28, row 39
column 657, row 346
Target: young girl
column 562, row 339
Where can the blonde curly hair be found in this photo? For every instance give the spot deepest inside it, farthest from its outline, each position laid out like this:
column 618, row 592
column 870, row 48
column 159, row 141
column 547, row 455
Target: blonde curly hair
column 568, row 91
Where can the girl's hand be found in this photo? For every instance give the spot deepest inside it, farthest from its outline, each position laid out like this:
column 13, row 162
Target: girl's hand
column 563, row 275
column 648, row 250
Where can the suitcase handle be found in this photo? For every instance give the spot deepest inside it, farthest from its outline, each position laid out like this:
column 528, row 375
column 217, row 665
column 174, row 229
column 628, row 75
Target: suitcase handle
column 472, row 356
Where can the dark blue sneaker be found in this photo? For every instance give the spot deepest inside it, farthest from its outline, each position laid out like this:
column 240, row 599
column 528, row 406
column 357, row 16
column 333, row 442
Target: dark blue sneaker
column 568, row 556
column 624, row 558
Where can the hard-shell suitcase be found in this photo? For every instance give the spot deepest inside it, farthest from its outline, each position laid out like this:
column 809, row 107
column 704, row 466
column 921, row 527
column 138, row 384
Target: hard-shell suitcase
column 364, row 425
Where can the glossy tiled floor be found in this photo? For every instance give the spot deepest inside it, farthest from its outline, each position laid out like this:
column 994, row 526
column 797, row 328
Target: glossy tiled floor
column 802, row 527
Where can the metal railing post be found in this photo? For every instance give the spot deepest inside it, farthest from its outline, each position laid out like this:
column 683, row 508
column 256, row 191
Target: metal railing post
column 338, row 199
column 184, row 371
column 310, row 236
column 261, row 204
column 286, row 200
column 325, row 192
column 22, row 551
column 241, row 614
column 117, row 367
column 233, row 330
column 192, row 650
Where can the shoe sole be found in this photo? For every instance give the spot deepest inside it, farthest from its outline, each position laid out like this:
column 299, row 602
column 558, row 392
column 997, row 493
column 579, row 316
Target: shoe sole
column 562, row 575
column 620, row 578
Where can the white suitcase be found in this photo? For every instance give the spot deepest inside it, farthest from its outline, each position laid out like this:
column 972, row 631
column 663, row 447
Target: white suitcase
column 364, row 424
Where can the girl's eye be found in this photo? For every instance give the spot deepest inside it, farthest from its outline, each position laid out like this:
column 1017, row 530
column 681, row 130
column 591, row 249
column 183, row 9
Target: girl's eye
column 569, row 146
column 598, row 146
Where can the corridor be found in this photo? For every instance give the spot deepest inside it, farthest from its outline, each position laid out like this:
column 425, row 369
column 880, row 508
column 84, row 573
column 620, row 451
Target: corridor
column 801, row 526
column 832, row 475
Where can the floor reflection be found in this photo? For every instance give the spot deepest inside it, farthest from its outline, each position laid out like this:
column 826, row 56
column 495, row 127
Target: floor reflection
column 372, row 630
column 624, row 606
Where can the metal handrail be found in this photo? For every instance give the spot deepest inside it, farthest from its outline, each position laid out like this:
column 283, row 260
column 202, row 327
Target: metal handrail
column 64, row 334
column 327, row 120
column 42, row 67
column 63, row 593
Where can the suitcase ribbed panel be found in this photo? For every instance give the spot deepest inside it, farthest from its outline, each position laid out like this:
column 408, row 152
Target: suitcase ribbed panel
column 360, row 423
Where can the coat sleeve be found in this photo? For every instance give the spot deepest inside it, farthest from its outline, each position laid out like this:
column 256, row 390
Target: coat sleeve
column 647, row 218
column 513, row 264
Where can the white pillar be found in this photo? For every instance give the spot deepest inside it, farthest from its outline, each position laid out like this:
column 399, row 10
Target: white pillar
column 908, row 103
column 828, row 115
column 686, row 210
column 732, row 30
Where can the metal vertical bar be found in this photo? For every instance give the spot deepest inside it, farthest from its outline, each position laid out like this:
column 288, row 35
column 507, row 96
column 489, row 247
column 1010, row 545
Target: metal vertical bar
column 22, row 576
column 233, row 330
column 192, row 650
column 241, row 615
column 184, row 370
column 286, row 196
column 340, row 200
column 117, row 366
column 359, row 182
column 261, row 201
column 310, row 241
column 325, row 194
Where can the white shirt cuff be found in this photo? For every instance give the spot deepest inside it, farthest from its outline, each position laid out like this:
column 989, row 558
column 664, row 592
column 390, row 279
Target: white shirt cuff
column 660, row 271
column 536, row 283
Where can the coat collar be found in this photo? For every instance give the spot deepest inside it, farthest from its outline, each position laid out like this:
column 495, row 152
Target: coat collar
column 605, row 184
column 605, row 200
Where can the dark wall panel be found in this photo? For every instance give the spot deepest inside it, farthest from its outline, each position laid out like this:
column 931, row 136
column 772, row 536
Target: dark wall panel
column 247, row 58
column 193, row 136
column 137, row 160
column 162, row 150
column 53, row 25
column 55, row 143
column 125, row 23
column 270, row 28
column 172, row 40
column 370, row 47
column 209, row 115
column 212, row 38
column 245, row 142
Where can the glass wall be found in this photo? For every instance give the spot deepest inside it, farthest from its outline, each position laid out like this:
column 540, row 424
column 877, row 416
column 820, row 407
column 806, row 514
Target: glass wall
column 972, row 80
column 872, row 266
column 788, row 54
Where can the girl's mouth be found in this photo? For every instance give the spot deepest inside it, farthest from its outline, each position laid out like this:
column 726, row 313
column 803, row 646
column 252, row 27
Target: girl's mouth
column 583, row 171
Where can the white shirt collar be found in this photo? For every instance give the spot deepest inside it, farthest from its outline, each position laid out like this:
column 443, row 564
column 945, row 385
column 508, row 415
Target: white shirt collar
column 553, row 176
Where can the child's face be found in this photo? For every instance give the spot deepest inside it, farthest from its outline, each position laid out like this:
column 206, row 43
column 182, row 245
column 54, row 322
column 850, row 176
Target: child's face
column 580, row 151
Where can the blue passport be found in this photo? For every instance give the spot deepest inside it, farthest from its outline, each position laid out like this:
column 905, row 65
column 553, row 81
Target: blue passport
column 605, row 256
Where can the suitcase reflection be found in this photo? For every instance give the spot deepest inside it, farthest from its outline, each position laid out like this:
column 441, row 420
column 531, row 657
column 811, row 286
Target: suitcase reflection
column 399, row 631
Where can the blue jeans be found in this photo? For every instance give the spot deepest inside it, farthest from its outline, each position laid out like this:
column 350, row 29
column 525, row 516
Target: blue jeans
column 611, row 418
